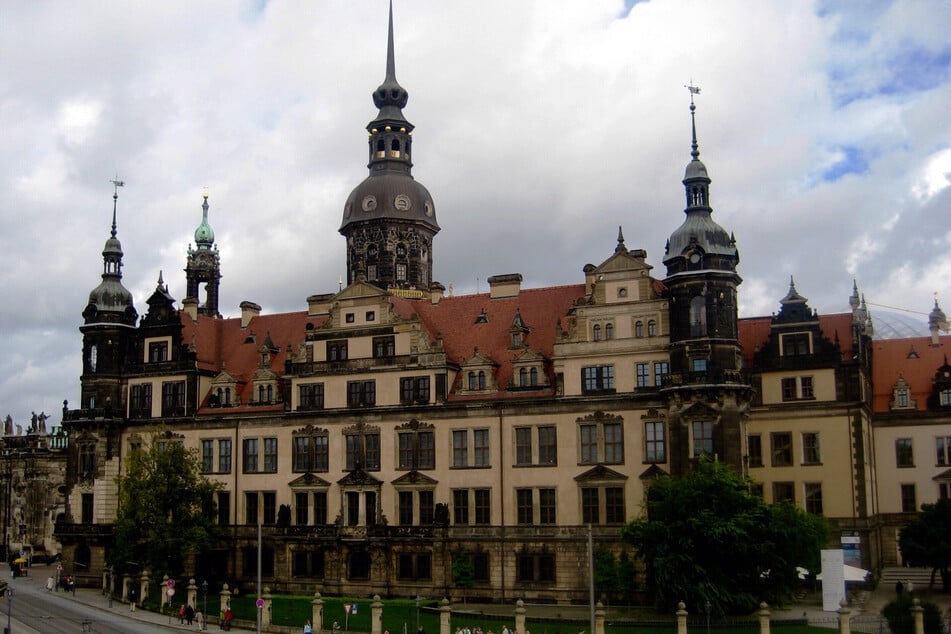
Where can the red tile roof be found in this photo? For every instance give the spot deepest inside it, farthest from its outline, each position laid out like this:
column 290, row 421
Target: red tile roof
column 915, row 359
column 754, row 333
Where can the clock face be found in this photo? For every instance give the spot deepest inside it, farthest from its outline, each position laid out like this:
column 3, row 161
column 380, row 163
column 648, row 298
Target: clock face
column 429, row 208
column 694, row 257
column 402, row 203
column 369, row 203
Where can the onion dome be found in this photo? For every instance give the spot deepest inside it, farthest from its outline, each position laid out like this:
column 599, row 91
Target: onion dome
column 204, row 234
column 111, row 296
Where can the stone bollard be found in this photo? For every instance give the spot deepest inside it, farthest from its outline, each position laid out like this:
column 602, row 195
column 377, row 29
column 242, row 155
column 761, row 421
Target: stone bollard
column 317, row 613
column 520, row 617
column 163, row 594
column 918, row 614
column 192, row 594
column 126, row 581
column 445, row 612
column 844, row 616
column 144, row 587
column 681, row 618
column 376, row 615
column 266, row 610
column 225, row 595
column 763, row 618
column 599, row 618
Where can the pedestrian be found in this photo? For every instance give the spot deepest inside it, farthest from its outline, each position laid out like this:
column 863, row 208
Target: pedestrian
column 189, row 614
column 181, row 614
column 335, row 628
column 50, row 584
column 228, row 617
column 199, row 621
column 132, row 599
column 307, row 628
column 899, row 587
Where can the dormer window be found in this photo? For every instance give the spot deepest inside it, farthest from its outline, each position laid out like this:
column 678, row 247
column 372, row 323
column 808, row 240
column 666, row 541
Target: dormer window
column 944, row 397
column 516, row 339
column 795, row 344
column 901, row 395
column 158, row 351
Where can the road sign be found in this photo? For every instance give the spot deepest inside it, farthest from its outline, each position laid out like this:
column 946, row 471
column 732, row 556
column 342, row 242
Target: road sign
column 170, row 592
column 259, row 603
column 59, row 567
column 346, row 607
column 170, row 583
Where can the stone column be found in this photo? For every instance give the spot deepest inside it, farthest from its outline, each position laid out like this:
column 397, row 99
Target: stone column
column 681, row 618
column 317, row 613
column 225, row 595
column 376, row 615
column 844, row 615
column 163, row 592
column 599, row 618
column 125, row 587
column 445, row 612
column 520, row 617
column 144, row 587
column 763, row 618
column 266, row 610
column 918, row 614
column 192, row 593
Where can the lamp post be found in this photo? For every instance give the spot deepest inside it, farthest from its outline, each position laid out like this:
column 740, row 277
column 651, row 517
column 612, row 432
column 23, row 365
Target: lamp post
column 417, row 614
column 707, row 606
column 9, row 607
column 204, row 610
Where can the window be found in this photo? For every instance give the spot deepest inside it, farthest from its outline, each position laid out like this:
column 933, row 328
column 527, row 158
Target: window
column 698, row 316
column 643, row 375
column 87, row 460
column 805, row 385
column 613, row 443
column 523, row 445
column 361, row 393
column 589, row 444
column 270, row 455
column 250, row 456
column 639, row 329
column 590, row 505
column 546, row 506
column 783, row 492
column 417, row 450
column 524, row 506
column 207, row 456
column 270, row 507
column 781, row 448
column 337, row 350
column 655, row 445
column 311, row 451
column 652, row 328
column 224, row 455
column 699, row 365
column 944, row 397
column 789, row 388
column 481, row 438
column 427, row 507
column 614, row 505
column 702, row 438
column 609, row 331
column 405, row 509
column 813, row 494
column 363, row 451
column 371, row 315
column 251, row 507
column 599, row 378
column 547, row 446
column 224, row 508
column 414, row 389
column 810, row 448
column 460, row 448
column 413, row 566
column 311, row 396
column 602, row 502
column 943, row 450
column 87, row 508
column 401, row 272
column 140, row 401
column 460, row 506
column 483, row 510
column 173, row 398
column 384, row 347
column 797, row 387
column 795, row 344
column 601, row 443
column 904, row 453
column 320, row 508
column 909, row 503
column 158, row 351
column 308, row 564
column 530, row 567
column 661, row 369
column 597, row 332
column 754, row 445
column 301, row 508
column 901, row 397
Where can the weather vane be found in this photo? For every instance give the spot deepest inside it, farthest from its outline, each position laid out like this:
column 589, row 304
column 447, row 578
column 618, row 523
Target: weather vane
column 117, row 183
column 694, row 90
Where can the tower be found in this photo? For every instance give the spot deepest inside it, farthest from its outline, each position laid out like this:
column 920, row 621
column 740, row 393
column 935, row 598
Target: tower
column 389, row 219
column 204, row 266
column 108, row 328
column 707, row 395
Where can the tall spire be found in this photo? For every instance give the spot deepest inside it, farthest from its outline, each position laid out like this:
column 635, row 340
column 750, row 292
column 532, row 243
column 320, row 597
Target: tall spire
column 390, row 97
column 111, row 296
column 694, row 148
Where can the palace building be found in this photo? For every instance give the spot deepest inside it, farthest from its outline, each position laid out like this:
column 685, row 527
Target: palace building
column 387, row 429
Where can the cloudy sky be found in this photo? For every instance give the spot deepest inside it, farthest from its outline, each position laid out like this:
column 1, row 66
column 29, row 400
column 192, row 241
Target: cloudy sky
column 541, row 126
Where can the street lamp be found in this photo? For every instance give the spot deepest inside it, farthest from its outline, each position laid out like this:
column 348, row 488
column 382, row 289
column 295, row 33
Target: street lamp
column 9, row 607
column 708, row 606
column 417, row 614
column 204, row 591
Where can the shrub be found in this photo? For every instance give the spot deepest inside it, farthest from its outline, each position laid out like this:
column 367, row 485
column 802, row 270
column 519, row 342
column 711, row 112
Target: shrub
column 898, row 615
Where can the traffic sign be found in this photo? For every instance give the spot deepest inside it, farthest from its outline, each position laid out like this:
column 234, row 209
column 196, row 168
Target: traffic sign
column 346, row 608
column 259, row 603
column 170, row 592
column 170, row 583
column 59, row 567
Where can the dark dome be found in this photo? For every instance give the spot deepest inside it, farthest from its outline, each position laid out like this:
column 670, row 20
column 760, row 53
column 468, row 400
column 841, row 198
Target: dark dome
column 392, row 196
column 700, row 229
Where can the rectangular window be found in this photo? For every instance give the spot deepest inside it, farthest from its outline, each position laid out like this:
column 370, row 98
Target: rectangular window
column 363, row 450
column 251, row 508
column 140, row 401
column 301, row 508
column 480, row 567
column 524, row 506
column 481, row 441
column 414, row 389
column 702, row 438
column 547, row 445
column 909, row 499
column 546, row 506
column 781, row 448
column 483, row 510
column 361, row 393
column 224, row 508
column 805, row 384
column 250, row 456
column 427, row 508
column 523, row 445
column 613, row 443
column 795, row 344
column 643, row 375
column 311, row 396
column 661, row 370
column 224, row 455
column 320, row 508
column 904, row 452
column 405, row 499
column 406, row 450
column 173, row 398
column 754, row 445
column 460, row 506
column 417, row 450
column 789, row 388
column 158, row 351
column 207, row 456
column 655, row 449
column 87, row 508
column 589, row 444
column 384, row 347
column 270, row 455
column 813, row 493
column 353, row 508
column 614, row 505
column 943, row 451
column 590, row 505
column 699, row 365
column 337, row 350
column 427, row 450
column 599, row 378
column 460, row 448
column 810, row 448
column 783, row 492
column 270, row 507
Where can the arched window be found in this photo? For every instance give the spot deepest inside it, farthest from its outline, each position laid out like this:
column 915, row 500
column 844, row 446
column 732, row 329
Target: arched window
column 639, row 329
column 380, row 146
column 395, row 147
column 534, row 376
column 597, row 332
column 472, row 381
column 652, row 328
column 261, row 393
column 270, row 393
column 523, row 377
column 227, row 400
column 698, row 316
column 609, row 331
column 481, row 379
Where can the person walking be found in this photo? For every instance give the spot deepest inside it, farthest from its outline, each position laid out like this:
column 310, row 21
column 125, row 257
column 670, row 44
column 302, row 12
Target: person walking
column 189, row 614
column 307, row 628
column 199, row 621
column 132, row 599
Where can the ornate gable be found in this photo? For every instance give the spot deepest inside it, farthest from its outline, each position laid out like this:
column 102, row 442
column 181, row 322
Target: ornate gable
column 415, row 479
column 600, row 473
column 359, row 478
column 308, row 481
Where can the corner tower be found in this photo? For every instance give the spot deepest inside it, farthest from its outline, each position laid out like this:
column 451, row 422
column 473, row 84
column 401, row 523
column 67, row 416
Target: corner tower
column 389, row 219
column 204, row 267
column 708, row 397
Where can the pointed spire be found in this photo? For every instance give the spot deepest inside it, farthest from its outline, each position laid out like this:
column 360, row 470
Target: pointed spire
column 694, row 147
column 390, row 97
column 620, row 248
column 390, row 57
column 204, row 234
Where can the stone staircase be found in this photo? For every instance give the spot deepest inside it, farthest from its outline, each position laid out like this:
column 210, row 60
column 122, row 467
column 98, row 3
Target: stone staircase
column 919, row 577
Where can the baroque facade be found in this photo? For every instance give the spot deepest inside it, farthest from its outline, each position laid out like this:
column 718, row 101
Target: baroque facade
column 389, row 428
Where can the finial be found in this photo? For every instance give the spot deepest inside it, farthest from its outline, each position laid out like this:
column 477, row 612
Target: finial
column 204, row 192
column 339, row 283
column 694, row 148
column 620, row 241
column 390, row 61
column 160, row 280
column 115, row 199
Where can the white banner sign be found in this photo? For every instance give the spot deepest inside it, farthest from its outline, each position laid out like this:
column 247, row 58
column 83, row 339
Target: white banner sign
column 833, row 579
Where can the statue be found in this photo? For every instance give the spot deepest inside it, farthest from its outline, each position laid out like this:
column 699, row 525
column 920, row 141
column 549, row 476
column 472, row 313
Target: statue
column 19, row 429
column 42, row 418
column 8, row 426
column 33, row 424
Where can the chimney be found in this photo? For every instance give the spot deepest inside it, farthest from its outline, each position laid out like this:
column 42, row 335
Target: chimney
column 319, row 304
column 249, row 310
column 436, row 292
column 190, row 307
column 503, row 286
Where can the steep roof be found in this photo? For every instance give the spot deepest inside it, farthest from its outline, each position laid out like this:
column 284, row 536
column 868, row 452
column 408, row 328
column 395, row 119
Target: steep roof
column 915, row 359
column 754, row 333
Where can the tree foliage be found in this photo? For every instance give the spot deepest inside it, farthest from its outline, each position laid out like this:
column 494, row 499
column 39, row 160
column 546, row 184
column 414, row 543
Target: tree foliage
column 926, row 541
column 165, row 509
column 707, row 539
column 900, row 620
column 614, row 576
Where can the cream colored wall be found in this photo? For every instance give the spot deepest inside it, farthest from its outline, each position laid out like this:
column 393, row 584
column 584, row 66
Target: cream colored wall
column 156, row 384
column 891, row 476
column 823, row 384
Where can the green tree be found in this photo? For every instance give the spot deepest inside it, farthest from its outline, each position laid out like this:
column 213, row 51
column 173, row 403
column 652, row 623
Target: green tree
column 707, row 539
column 165, row 509
column 605, row 571
column 926, row 541
column 463, row 571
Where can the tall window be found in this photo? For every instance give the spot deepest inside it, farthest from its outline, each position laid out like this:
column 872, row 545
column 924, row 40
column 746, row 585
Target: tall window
column 320, row 508
column 754, row 444
column 613, row 443
column 655, row 446
column 301, row 508
column 311, row 396
column 909, row 499
column 614, row 512
column 361, row 393
column 598, row 378
column 483, row 509
column 414, row 389
column 652, row 328
column 523, row 445
column 590, row 504
column 813, row 494
column 904, row 452
column 140, row 401
column 781, row 448
column 698, row 316
column 251, row 507
column 460, row 448
column 639, row 329
column 609, row 331
column 87, row 459
column 481, row 446
column 643, row 375
column 405, row 510
column 363, row 451
column 597, row 332
column 311, row 451
column 87, row 508
column 224, row 455
column 207, row 456
column 546, row 506
column 547, row 445
column 270, row 507
column 702, row 438
column 524, row 506
column 173, row 398
column 224, row 508
column 661, row 369
column 944, row 397
column 417, row 450
column 249, row 459
column 810, row 448
column 270, row 455
column 460, row 506
column 943, row 450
